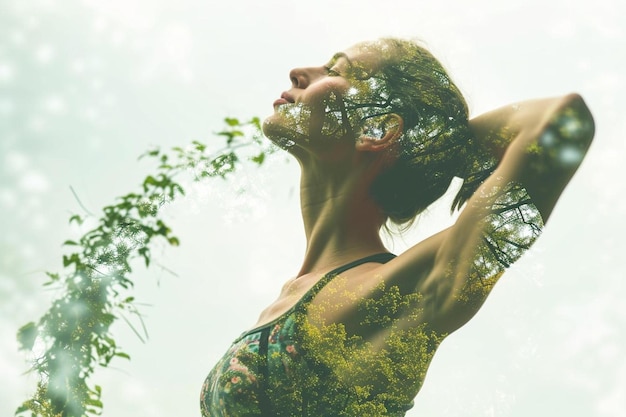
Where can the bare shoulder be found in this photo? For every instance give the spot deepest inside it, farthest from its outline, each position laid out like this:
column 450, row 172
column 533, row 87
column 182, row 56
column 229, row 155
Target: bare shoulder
column 409, row 270
column 349, row 297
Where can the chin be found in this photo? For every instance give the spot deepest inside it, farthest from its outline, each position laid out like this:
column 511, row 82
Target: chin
column 267, row 126
column 275, row 130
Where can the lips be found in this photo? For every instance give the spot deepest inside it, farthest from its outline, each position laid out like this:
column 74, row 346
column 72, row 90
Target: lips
column 280, row 101
column 285, row 98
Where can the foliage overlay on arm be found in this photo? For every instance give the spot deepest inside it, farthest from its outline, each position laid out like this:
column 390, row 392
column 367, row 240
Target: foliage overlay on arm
column 73, row 337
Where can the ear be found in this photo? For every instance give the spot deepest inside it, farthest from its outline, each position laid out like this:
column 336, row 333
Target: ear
column 380, row 133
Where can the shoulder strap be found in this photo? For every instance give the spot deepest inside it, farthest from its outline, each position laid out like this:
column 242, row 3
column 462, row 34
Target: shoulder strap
column 308, row 296
column 381, row 258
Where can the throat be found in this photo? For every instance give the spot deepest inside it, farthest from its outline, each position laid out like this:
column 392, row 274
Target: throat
column 341, row 221
column 332, row 244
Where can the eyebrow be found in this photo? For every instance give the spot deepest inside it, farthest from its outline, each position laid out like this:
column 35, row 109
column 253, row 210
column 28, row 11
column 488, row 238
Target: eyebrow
column 338, row 55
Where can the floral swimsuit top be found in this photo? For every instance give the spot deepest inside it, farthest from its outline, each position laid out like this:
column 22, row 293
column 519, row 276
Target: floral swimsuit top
column 270, row 371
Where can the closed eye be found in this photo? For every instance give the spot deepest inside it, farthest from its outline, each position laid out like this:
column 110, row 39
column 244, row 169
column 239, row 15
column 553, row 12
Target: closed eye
column 351, row 71
column 331, row 72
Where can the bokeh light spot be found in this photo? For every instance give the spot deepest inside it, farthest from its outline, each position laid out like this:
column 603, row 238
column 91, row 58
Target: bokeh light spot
column 44, row 54
column 6, row 72
column 570, row 155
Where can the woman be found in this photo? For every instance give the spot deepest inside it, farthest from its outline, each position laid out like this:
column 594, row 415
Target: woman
column 379, row 132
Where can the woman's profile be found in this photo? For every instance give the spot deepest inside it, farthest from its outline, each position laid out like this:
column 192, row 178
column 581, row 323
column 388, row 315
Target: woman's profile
column 380, row 131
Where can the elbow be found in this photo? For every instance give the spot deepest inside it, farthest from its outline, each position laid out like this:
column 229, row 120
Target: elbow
column 573, row 97
column 576, row 112
column 569, row 133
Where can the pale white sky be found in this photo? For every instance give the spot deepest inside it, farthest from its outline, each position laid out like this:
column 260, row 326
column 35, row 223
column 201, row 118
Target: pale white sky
column 87, row 86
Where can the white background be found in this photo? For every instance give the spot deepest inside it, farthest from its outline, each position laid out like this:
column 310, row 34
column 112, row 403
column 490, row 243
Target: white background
column 87, row 86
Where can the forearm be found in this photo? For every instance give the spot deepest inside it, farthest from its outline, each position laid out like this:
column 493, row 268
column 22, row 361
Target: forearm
column 547, row 141
column 495, row 130
column 541, row 143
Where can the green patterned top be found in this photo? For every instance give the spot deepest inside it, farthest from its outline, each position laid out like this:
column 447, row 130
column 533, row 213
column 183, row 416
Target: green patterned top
column 292, row 367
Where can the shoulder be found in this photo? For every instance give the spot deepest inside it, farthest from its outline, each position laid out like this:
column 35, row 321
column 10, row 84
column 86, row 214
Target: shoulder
column 409, row 269
column 409, row 278
column 350, row 297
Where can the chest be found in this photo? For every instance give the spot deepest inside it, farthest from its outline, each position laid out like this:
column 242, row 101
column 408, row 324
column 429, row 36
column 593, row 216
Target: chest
column 360, row 300
column 291, row 293
column 317, row 289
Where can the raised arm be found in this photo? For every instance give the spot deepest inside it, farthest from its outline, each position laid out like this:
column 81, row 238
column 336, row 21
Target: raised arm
column 541, row 144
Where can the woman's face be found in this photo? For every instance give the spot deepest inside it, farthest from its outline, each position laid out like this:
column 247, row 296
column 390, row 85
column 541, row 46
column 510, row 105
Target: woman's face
column 318, row 108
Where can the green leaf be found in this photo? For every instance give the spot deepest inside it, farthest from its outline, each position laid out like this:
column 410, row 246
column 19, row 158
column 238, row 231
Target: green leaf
column 54, row 277
column 256, row 122
column 145, row 253
column 94, row 402
column 72, row 259
column 232, row 121
column 70, row 243
column 150, row 180
column 231, row 134
column 259, row 158
column 177, row 187
column 76, row 218
column 22, row 408
column 199, row 146
column 26, row 336
column 152, row 152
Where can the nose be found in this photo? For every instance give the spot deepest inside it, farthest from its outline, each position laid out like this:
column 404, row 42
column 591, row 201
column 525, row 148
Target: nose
column 303, row 77
column 298, row 78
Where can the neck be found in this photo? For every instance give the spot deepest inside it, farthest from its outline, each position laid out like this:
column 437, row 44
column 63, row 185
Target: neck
column 341, row 222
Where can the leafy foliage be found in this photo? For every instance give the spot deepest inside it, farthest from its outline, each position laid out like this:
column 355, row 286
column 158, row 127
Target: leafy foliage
column 362, row 347
column 96, row 289
column 510, row 227
column 385, row 366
